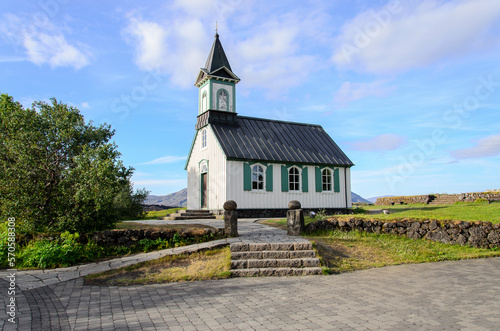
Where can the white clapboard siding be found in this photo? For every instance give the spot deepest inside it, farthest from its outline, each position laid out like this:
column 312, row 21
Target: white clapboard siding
column 279, row 199
column 216, row 173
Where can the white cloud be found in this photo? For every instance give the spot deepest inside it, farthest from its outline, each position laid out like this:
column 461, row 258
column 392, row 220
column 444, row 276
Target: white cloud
column 174, row 49
column 273, row 60
column 165, row 159
column 387, row 142
column 409, row 35
column 349, row 92
column 488, row 146
column 54, row 50
column 85, row 105
column 43, row 44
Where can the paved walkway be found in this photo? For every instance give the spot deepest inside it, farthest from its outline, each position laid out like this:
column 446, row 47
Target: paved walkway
column 461, row 295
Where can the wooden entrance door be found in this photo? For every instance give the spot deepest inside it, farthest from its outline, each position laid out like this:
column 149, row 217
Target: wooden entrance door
column 204, row 190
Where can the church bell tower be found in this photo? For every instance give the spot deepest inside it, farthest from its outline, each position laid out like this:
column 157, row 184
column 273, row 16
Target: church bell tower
column 217, row 82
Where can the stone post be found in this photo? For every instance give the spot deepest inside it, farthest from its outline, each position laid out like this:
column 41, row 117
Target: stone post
column 230, row 219
column 294, row 219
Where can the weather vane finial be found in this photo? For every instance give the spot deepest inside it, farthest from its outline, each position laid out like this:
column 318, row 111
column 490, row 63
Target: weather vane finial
column 216, row 27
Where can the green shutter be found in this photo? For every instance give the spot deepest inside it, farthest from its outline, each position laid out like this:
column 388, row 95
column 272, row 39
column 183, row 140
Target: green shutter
column 319, row 184
column 305, row 180
column 284, row 179
column 336, row 180
column 269, row 178
column 247, row 177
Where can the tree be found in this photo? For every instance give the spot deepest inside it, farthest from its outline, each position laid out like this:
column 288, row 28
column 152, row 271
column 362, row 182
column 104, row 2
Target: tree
column 59, row 173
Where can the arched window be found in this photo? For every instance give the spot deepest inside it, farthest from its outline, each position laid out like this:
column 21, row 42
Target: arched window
column 294, row 179
column 222, row 99
column 204, row 101
column 204, row 167
column 204, row 139
column 326, row 179
column 257, row 177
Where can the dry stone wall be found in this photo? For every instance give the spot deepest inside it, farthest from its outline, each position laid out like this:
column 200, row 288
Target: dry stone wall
column 439, row 198
column 475, row 234
column 471, row 197
column 404, row 200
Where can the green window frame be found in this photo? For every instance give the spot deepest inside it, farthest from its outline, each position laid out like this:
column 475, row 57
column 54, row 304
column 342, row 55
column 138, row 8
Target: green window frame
column 251, row 179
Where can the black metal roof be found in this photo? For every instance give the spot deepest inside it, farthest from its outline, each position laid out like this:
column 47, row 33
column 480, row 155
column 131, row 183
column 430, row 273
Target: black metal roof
column 278, row 141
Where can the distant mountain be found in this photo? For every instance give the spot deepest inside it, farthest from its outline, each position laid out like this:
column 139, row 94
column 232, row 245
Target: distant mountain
column 180, row 199
column 374, row 199
column 358, row 198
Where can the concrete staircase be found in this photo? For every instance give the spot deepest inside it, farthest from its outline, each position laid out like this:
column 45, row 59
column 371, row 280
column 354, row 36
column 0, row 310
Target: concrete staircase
column 279, row 259
column 445, row 199
column 193, row 214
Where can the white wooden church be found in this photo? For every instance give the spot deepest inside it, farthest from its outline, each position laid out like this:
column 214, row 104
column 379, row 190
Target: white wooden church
column 261, row 164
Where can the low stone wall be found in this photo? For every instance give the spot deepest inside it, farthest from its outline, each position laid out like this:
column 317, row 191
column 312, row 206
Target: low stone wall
column 475, row 234
column 404, row 200
column 471, row 197
column 131, row 237
column 273, row 213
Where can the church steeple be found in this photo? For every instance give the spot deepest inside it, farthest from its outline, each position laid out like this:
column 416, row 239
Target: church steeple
column 217, row 65
column 217, row 81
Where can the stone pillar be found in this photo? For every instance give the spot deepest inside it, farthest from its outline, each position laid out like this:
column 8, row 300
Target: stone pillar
column 230, row 219
column 294, row 219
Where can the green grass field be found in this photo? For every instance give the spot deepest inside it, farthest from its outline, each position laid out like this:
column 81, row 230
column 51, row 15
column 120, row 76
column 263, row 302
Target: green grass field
column 348, row 251
column 152, row 215
column 461, row 211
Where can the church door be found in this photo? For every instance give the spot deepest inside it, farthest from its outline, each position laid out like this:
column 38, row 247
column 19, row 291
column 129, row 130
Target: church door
column 204, row 190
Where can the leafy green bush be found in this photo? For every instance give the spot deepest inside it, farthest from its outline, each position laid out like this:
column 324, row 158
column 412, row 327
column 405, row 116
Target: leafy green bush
column 480, row 200
column 3, row 245
column 56, row 253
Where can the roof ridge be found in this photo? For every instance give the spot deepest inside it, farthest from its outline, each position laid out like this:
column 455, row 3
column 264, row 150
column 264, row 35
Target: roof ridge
column 278, row 121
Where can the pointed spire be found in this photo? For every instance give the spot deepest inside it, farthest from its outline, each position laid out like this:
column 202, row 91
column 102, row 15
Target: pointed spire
column 217, row 65
column 217, row 57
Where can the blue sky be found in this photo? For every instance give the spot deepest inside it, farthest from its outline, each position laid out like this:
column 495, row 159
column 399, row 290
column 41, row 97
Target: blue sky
column 410, row 90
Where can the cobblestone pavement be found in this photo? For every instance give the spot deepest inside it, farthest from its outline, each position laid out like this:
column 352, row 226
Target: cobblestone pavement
column 458, row 295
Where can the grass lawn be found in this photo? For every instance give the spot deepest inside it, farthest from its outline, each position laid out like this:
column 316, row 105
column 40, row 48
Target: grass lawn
column 152, row 215
column 212, row 264
column 349, row 251
column 461, row 211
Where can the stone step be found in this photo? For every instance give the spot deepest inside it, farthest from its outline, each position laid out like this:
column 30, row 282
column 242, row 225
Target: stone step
column 241, row 247
column 189, row 214
column 275, row 263
column 272, row 255
column 256, row 272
